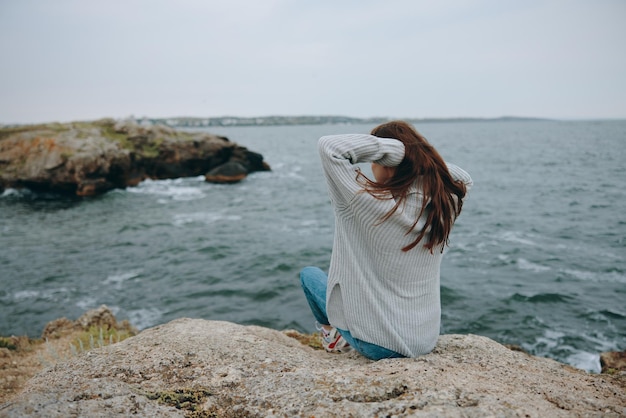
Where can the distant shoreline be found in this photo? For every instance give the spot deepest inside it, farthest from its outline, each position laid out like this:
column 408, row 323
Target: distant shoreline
column 227, row 121
column 235, row 121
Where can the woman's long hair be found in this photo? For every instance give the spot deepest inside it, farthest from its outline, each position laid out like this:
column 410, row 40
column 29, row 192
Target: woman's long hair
column 442, row 198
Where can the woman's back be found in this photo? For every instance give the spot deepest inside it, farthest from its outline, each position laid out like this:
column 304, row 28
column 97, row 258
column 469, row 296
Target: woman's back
column 383, row 283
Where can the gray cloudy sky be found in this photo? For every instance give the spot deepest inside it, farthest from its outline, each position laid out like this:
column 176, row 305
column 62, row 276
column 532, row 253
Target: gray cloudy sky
column 80, row 59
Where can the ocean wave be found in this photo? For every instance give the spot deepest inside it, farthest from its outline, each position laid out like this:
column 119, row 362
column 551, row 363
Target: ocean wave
column 206, row 218
column 524, row 264
column 486, row 242
column 585, row 361
column 516, row 237
column 181, row 189
column 549, row 340
column 87, row 303
column 15, row 193
column 542, row 298
column 306, row 227
column 449, row 295
column 37, row 196
column 216, row 252
column 47, row 294
column 613, row 276
column 287, row 171
column 612, row 314
column 563, row 346
column 144, row 318
column 606, row 317
column 117, row 280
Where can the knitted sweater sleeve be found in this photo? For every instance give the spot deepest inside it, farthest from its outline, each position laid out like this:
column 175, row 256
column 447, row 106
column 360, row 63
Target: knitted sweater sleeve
column 339, row 154
column 458, row 173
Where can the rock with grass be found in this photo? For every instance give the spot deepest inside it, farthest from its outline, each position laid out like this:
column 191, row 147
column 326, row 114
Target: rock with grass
column 90, row 158
column 613, row 362
column 200, row 368
column 22, row 357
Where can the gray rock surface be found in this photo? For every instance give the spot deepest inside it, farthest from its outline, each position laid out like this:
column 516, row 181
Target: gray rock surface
column 209, row 368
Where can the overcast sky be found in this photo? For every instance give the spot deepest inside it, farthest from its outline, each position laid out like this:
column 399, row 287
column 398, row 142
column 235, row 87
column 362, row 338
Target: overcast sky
column 63, row 60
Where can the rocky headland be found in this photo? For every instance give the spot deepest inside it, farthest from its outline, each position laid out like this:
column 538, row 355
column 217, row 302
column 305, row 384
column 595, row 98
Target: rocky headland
column 201, row 368
column 90, row 158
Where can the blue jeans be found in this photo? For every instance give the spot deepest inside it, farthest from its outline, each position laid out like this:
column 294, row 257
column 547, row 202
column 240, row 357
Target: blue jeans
column 314, row 283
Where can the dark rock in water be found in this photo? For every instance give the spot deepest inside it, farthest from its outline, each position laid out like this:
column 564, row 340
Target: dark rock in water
column 230, row 172
column 90, row 158
column 254, row 161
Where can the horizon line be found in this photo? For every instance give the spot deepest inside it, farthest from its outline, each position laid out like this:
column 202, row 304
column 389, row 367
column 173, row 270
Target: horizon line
column 313, row 116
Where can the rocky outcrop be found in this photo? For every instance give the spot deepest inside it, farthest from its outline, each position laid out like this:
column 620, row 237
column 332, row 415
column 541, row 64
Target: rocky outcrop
column 22, row 357
column 199, row 368
column 231, row 172
column 89, row 158
column 613, row 362
column 101, row 317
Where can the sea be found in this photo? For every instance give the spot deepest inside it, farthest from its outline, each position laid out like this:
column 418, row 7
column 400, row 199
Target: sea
column 537, row 259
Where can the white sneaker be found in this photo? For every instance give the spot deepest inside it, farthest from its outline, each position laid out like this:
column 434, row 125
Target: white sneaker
column 333, row 342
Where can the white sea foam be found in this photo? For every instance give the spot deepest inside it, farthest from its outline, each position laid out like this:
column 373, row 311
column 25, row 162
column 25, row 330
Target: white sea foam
column 582, row 275
column 589, row 361
column 285, row 171
column 47, row 294
column 585, row 361
column 591, row 276
column 528, row 265
column 545, row 343
column 517, row 237
column 601, row 343
column 21, row 295
column 144, row 318
column 117, row 280
column 313, row 227
column 550, row 338
column 295, row 173
column 206, row 218
column 176, row 189
column 305, row 227
column 11, row 192
column 87, row 303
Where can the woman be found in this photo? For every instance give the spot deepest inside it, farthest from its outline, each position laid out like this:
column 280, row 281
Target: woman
column 382, row 291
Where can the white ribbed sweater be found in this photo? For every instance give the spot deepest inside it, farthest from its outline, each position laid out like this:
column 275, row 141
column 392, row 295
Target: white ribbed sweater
column 378, row 292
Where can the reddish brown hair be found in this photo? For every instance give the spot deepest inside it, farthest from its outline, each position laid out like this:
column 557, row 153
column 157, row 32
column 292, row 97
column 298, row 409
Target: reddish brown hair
column 442, row 195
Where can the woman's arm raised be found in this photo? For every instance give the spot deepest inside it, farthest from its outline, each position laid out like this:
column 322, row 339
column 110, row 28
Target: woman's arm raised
column 458, row 173
column 339, row 154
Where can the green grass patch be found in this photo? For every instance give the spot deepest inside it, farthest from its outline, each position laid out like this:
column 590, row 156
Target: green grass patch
column 97, row 337
column 151, row 150
column 109, row 132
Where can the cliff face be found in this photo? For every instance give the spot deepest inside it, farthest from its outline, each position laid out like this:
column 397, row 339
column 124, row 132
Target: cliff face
column 199, row 368
column 89, row 158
